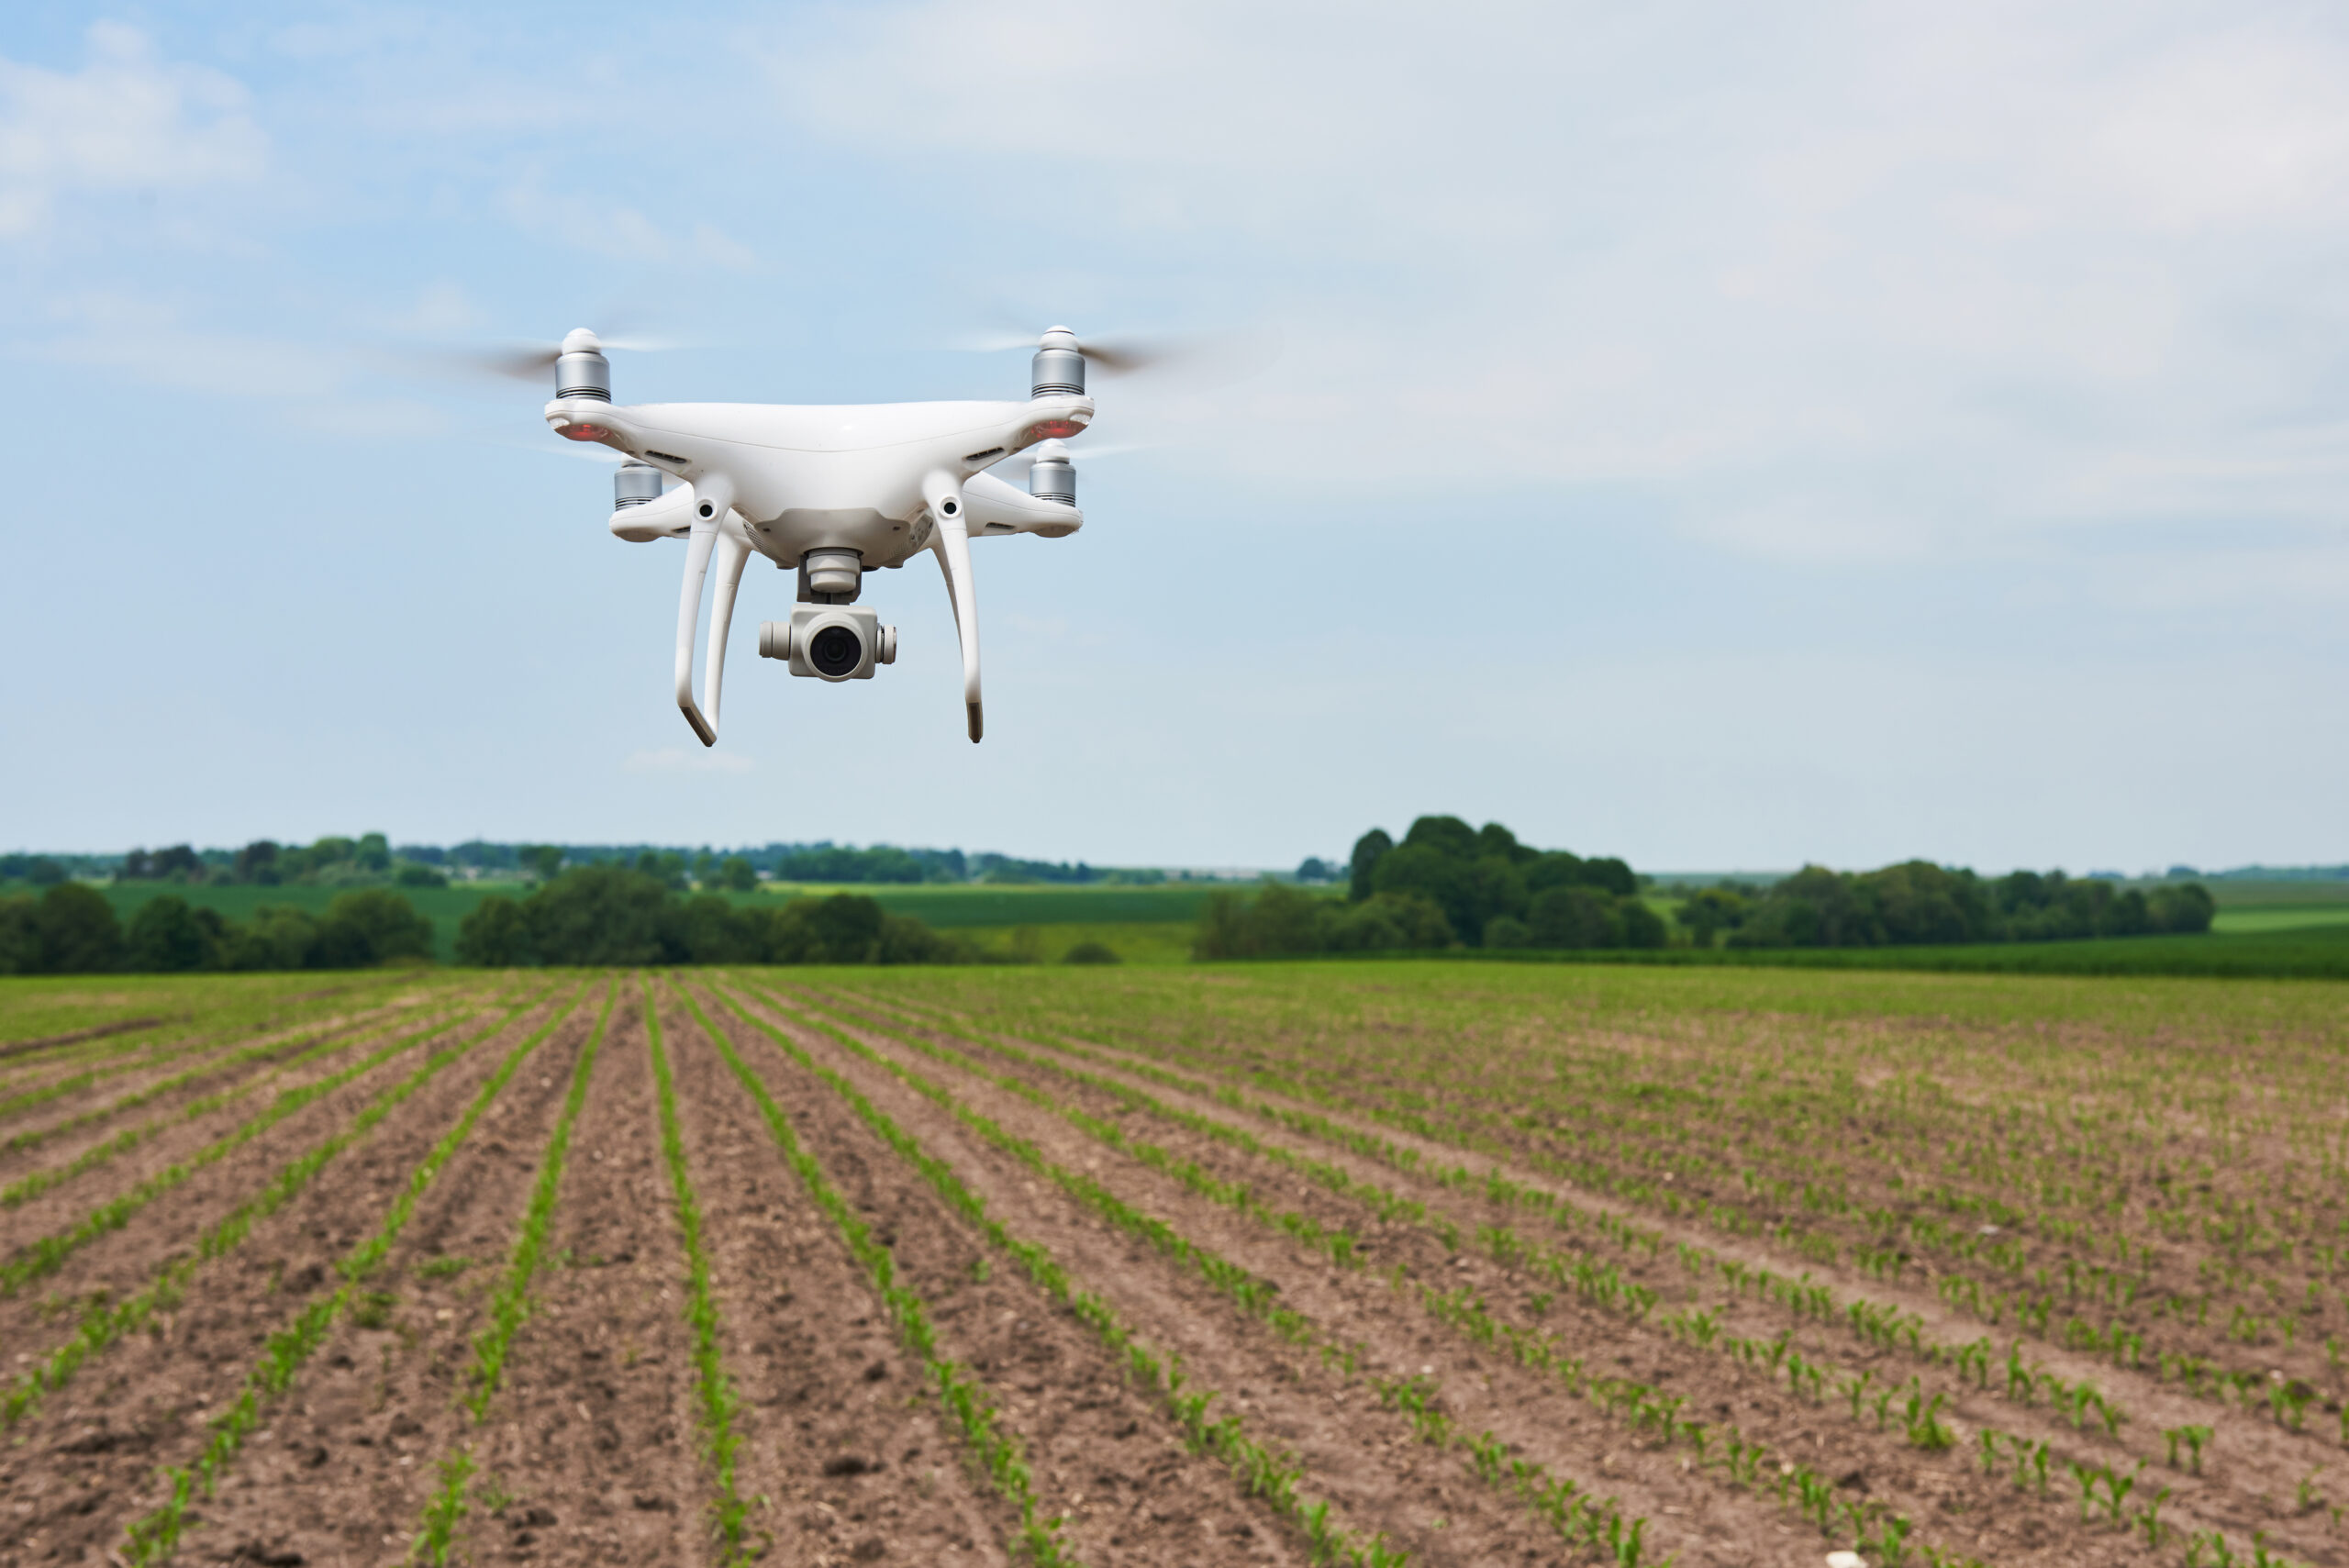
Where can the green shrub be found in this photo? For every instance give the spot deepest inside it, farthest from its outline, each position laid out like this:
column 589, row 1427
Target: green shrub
column 1091, row 952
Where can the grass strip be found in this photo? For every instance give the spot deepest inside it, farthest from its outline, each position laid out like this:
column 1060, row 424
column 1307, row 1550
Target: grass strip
column 103, row 1323
column 47, row 1255
column 719, row 1401
column 963, row 1397
column 1264, row 1474
column 155, row 1536
column 38, row 1182
column 436, row 1538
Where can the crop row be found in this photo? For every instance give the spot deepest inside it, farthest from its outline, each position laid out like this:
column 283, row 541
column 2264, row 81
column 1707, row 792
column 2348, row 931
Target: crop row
column 963, row 1399
column 46, row 1255
column 30, row 1186
column 102, row 1324
column 154, row 1537
column 510, row 1307
column 1560, row 1502
column 1866, row 1318
column 2126, row 1346
column 715, row 1390
column 1921, row 1407
column 1263, row 1472
column 1645, row 1407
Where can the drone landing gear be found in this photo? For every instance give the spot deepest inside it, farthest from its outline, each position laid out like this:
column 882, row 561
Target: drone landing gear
column 709, row 535
column 951, row 544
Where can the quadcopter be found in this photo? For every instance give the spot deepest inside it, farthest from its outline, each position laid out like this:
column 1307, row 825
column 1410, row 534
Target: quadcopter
column 834, row 491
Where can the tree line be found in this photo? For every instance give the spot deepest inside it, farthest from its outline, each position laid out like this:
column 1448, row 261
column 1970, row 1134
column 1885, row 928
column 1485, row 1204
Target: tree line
column 596, row 915
column 1918, row 902
column 371, row 860
column 1445, row 884
column 72, row 929
column 615, row 914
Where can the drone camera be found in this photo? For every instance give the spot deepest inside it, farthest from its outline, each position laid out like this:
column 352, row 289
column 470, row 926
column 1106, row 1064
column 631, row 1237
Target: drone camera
column 832, row 642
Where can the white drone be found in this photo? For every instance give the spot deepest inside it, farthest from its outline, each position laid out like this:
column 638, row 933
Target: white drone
column 834, row 491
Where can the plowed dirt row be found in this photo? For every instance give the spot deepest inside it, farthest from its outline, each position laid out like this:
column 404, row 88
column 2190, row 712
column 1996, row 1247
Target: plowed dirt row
column 118, row 1068
column 344, row 1471
column 55, row 1131
column 841, row 1435
column 1360, row 1456
column 594, row 1435
column 1100, row 1452
column 1948, row 1498
column 85, row 1461
column 67, row 1202
column 122, row 1260
column 2238, row 1492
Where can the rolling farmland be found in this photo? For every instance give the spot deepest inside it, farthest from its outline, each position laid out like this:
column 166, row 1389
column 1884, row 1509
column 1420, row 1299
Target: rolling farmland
column 1355, row 1263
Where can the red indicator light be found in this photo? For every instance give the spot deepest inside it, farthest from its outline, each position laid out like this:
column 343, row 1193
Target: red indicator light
column 582, row 432
column 1056, row 428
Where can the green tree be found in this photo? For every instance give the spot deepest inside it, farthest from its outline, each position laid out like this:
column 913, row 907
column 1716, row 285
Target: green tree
column 495, row 935
column 1575, row 916
column 1369, row 849
column 370, row 925
column 19, row 936
column 738, row 874
column 599, row 916
column 78, row 931
column 166, row 937
column 1710, row 911
column 543, row 861
column 1445, row 835
column 276, row 936
column 373, row 853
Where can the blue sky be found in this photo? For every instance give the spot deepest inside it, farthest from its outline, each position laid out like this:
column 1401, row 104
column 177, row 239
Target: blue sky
column 1859, row 432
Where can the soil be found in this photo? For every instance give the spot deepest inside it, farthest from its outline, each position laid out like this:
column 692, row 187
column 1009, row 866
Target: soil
column 594, row 1449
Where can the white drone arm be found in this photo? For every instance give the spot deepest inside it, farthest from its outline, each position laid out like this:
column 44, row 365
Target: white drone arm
column 951, row 543
column 713, row 497
column 996, row 509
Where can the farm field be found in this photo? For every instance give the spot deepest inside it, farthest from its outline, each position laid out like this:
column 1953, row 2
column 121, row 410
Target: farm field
column 1445, row 1262
column 996, row 911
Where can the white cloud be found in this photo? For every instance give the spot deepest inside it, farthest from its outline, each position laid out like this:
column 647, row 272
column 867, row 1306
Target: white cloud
column 1816, row 280
column 126, row 122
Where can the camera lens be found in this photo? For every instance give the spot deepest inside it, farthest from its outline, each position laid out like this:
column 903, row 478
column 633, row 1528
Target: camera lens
column 835, row 651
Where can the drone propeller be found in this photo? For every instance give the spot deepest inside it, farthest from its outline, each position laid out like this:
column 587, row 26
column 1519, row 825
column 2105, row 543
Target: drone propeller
column 1116, row 354
column 531, row 362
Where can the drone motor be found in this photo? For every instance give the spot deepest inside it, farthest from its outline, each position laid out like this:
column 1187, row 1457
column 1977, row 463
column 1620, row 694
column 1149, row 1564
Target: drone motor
column 634, row 484
column 581, row 370
column 1053, row 477
column 1058, row 369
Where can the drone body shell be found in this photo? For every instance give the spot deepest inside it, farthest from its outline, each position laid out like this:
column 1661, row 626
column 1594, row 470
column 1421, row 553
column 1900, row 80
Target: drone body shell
column 858, row 476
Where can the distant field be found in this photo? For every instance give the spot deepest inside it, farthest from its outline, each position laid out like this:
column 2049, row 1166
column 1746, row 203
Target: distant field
column 2263, row 917
column 1134, row 941
column 953, row 907
column 2246, row 894
column 2304, row 951
column 997, row 910
column 446, row 908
